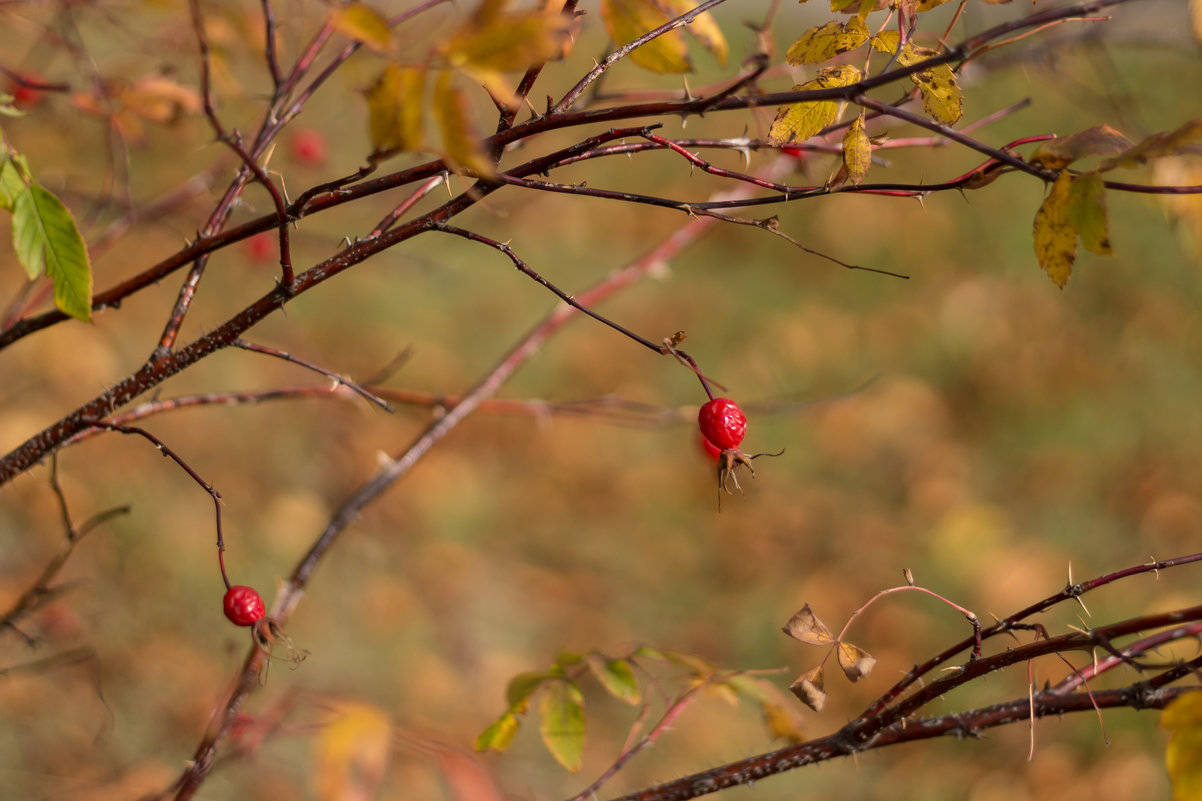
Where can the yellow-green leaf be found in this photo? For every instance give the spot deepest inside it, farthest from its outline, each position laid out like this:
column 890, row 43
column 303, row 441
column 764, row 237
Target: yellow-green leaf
column 627, row 20
column 12, row 182
column 1101, row 140
column 857, row 151
column 827, row 41
column 46, row 239
column 561, row 723
column 395, row 110
column 362, row 23
column 1055, row 238
column 616, row 677
column 927, row 5
column 522, row 686
column 1158, row 145
column 1087, row 213
column 499, row 735
column 799, row 121
column 704, row 28
column 461, row 141
column 1183, row 756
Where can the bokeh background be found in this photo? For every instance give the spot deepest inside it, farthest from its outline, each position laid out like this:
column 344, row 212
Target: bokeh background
column 973, row 424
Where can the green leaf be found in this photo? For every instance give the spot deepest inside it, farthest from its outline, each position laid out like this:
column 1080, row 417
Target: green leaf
column 46, row 238
column 362, row 23
column 627, row 20
column 827, row 41
column 561, row 723
column 1055, row 239
column 616, row 677
column 499, row 735
column 1087, row 213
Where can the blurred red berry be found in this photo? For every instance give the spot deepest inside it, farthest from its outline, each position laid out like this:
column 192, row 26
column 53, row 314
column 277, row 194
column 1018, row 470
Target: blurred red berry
column 261, row 247
column 24, row 96
column 309, row 147
column 712, row 451
column 243, row 605
column 723, row 423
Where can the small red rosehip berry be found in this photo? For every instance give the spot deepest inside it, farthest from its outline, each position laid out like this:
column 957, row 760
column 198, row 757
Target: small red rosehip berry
column 722, row 423
column 25, row 92
column 712, row 451
column 261, row 247
column 309, row 147
column 243, row 605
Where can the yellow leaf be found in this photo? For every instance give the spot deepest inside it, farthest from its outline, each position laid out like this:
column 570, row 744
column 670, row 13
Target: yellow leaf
column 1101, row 140
column 827, row 41
column 160, row 99
column 941, row 97
column 704, row 28
column 1087, row 213
column 627, row 20
column 352, row 753
column 1158, row 145
column 1055, row 238
column 886, row 41
column 394, row 109
column 507, row 43
column 857, row 151
column 927, row 5
column 364, row 24
column 799, row 121
column 1183, row 757
column 461, row 141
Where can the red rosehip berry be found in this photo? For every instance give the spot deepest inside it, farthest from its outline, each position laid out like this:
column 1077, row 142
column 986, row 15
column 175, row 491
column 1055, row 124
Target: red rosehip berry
column 24, row 95
column 712, row 451
column 261, row 248
column 243, row 605
column 309, row 147
column 722, row 423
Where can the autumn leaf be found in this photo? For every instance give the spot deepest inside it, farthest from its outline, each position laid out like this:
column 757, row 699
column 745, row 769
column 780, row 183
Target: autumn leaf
column 827, row 41
column 799, row 121
column 808, row 689
column 395, row 111
column 1055, row 238
column 463, row 145
column 855, row 661
column 1087, row 213
column 1101, row 140
column 499, row 43
column 704, row 28
column 352, row 753
column 1183, row 756
column 781, row 717
column 1180, row 141
column 627, row 20
column 806, row 627
column 857, row 151
column 362, row 23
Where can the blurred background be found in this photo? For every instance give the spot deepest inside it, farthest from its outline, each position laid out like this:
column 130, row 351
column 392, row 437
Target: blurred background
column 973, row 424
